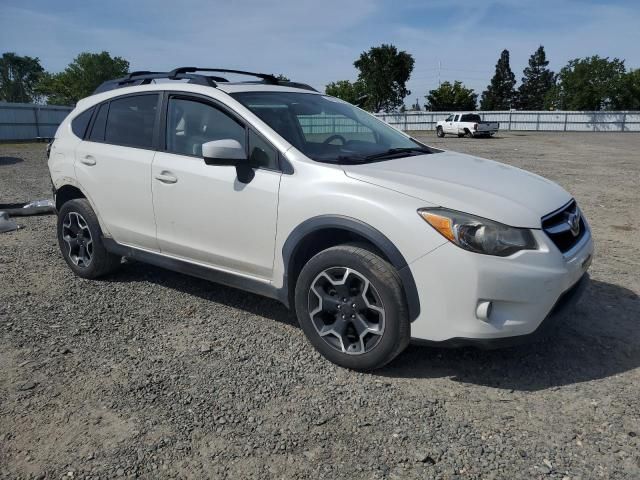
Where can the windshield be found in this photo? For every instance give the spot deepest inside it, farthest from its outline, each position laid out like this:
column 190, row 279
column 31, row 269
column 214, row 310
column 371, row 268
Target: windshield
column 327, row 129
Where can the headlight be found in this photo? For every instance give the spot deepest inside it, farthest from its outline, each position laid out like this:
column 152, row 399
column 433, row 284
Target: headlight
column 478, row 234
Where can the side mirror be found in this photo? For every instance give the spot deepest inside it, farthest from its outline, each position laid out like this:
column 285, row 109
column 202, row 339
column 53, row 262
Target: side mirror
column 228, row 152
column 224, row 152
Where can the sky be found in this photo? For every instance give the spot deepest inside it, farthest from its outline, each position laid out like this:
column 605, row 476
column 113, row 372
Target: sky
column 316, row 42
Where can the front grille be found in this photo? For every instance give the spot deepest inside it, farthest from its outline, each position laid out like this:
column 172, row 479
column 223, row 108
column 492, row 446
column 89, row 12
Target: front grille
column 563, row 228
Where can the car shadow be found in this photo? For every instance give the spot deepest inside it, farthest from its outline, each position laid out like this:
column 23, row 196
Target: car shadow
column 132, row 271
column 600, row 340
column 9, row 161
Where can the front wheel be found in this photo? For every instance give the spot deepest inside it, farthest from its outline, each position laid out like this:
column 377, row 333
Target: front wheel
column 440, row 132
column 351, row 307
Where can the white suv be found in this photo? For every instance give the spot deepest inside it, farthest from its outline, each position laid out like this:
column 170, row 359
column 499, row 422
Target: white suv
column 269, row 186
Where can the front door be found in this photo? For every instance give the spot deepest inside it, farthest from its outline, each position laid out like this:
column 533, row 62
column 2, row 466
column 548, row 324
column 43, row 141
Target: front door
column 203, row 212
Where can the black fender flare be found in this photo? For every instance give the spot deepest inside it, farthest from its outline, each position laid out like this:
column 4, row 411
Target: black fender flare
column 298, row 234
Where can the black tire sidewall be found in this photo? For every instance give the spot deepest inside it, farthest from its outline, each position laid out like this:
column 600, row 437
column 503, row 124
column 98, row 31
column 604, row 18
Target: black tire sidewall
column 101, row 260
column 395, row 336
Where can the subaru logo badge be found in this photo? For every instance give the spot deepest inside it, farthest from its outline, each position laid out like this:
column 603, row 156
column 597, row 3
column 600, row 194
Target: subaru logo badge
column 573, row 220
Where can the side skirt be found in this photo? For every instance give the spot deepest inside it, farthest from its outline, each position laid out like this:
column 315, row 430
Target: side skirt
column 188, row 268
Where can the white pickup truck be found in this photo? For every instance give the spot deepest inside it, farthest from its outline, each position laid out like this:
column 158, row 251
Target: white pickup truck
column 466, row 124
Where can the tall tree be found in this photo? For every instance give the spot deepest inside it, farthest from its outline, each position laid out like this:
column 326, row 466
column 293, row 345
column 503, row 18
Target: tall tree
column 82, row 77
column 536, row 82
column 451, row 97
column 591, row 83
column 629, row 99
column 500, row 94
column 346, row 90
column 19, row 77
column 384, row 72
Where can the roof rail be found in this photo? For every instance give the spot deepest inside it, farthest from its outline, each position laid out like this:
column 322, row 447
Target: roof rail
column 144, row 77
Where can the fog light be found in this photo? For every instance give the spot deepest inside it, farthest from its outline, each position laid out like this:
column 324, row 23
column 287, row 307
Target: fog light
column 483, row 310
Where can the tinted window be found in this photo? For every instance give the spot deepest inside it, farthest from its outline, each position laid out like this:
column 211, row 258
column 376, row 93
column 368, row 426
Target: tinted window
column 449, row 118
column 471, row 117
column 80, row 123
column 261, row 154
column 131, row 120
column 455, row 119
column 97, row 131
column 191, row 123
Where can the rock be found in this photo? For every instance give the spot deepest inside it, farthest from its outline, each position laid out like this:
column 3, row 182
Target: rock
column 27, row 386
column 424, row 457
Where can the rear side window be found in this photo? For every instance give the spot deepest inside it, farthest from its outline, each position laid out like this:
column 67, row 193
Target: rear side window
column 81, row 122
column 131, row 120
column 97, row 130
column 472, row 117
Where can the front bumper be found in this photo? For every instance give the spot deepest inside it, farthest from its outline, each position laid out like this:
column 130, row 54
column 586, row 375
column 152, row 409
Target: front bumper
column 528, row 291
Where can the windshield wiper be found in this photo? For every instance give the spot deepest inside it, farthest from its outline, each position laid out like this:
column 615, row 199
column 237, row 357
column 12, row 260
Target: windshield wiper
column 392, row 152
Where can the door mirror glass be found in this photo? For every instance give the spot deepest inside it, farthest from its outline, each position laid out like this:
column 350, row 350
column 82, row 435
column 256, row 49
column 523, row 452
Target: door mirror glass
column 224, row 152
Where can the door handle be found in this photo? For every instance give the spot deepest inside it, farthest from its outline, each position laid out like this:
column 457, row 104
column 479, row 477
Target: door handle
column 166, row 177
column 88, row 160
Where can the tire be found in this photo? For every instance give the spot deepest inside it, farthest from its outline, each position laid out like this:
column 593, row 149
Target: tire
column 460, row 135
column 468, row 133
column 439, row 132
column 373, row 292
column 78, row 228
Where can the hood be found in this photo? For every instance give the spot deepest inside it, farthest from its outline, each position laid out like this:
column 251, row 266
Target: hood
column 468, row 184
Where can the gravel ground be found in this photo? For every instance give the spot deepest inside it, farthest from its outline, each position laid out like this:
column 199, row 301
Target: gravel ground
column 153, row 374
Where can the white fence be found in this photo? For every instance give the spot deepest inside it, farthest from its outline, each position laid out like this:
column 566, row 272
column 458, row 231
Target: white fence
column 558, row 121
column 26, row 121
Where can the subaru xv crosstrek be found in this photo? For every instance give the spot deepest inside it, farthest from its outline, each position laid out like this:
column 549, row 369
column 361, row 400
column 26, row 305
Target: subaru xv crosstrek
column 372, row 237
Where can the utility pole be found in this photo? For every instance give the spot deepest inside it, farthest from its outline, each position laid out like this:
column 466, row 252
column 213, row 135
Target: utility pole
column 439, row 68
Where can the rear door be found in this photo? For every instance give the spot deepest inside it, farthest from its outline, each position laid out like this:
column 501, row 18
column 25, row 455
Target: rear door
column 113, row 166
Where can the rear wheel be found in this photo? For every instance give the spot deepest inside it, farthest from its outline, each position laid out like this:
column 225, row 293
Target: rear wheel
column 468, row 133
column 80, row 241
column 439, row 132
column 350, row 305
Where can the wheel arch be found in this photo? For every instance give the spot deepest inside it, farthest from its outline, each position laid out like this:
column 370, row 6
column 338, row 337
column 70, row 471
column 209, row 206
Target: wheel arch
column 325, row 231
column 65, row 193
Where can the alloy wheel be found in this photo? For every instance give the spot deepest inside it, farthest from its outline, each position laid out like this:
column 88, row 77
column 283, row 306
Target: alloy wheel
column 77, row 236
column 346, row 310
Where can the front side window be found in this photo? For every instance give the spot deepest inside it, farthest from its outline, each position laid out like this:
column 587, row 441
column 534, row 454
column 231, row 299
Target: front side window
column 327, row 129
column 261, row 154
column 449, row 118
column 191, row 123
column 130, row 121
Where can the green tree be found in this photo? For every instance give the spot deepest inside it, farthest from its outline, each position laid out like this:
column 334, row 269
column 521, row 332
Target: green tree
column 536, row 82
column 82, row 77
column 500, row 94
column 629, row 99
column 346, row 90
column 591, row 83
column 283, row 78
column 451, row 97
column 19, row 77
column 384, row 72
